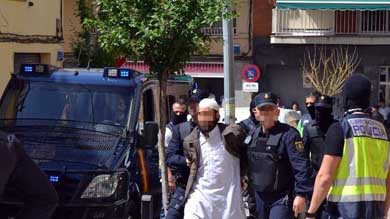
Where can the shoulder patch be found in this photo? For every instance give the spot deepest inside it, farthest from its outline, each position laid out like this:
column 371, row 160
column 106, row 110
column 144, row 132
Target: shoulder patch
column 299, row 146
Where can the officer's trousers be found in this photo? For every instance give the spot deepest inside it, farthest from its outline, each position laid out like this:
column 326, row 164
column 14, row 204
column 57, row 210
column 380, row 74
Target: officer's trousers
column 176, row 206
column 274, row 205
column 19, row 171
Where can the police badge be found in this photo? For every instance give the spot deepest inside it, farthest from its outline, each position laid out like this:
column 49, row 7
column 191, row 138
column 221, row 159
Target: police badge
column 299, row 146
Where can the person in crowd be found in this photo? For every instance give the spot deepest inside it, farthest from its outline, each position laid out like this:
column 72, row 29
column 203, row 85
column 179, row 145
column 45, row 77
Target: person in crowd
column 279, row 166
column 354, row 173
column 213, row 152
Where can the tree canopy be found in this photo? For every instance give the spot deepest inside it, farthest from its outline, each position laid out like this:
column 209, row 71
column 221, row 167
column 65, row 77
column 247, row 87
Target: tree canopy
column 163, row 33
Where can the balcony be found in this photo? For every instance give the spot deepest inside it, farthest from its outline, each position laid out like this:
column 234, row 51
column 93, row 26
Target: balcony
column 331, row 23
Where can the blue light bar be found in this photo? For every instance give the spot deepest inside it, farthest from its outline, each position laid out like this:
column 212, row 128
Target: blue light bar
column 54, row 179
column 124, row 73
column 29, row 69
column 118, row 73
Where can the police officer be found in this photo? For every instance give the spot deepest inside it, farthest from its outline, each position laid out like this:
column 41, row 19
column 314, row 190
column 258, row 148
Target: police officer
column 308, row 117
column 176, row 160
column 18, row 171
column 314, row 131
column 278, row 164
column 355, row 167
column 250, row 123
column 314, row 135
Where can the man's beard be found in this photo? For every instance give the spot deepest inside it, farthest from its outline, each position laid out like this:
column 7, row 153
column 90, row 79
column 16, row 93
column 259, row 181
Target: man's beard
column 207, row 127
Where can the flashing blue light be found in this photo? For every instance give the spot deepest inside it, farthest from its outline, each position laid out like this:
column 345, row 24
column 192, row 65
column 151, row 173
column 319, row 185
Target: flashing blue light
column 124, row 73
column 34, row 69
column 28, row 69
column 54, row 179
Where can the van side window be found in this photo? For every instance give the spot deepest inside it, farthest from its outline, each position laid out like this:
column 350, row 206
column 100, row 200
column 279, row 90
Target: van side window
column 148, row 106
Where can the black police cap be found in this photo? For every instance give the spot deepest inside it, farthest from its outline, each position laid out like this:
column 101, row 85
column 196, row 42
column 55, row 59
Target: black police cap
column 198, row 95
column 266, row 99
column 324, row 101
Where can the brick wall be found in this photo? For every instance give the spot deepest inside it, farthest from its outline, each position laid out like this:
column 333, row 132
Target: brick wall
column 262, row 17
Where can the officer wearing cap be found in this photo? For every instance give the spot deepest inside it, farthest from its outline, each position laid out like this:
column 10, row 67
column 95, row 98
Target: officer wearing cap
column 354, row 173
column 279, row 167
column 314, row 135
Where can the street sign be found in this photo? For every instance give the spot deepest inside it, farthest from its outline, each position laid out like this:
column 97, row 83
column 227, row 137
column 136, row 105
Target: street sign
column 251, row 73
column 252, row 87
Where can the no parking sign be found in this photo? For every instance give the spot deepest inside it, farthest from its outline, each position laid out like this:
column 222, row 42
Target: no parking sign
column 251, row 73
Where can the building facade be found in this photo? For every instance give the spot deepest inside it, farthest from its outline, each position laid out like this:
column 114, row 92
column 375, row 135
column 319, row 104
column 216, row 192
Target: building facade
column 30, row 32
column 207, row 70
column 285, row 30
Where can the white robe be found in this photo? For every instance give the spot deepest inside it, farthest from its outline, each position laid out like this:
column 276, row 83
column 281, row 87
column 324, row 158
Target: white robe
column 216, row 193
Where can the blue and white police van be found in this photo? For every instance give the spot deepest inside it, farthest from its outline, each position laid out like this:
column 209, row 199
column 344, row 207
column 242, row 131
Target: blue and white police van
column 94, row 133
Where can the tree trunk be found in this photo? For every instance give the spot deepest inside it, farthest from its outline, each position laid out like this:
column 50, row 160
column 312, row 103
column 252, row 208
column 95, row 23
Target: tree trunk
column 163, row 78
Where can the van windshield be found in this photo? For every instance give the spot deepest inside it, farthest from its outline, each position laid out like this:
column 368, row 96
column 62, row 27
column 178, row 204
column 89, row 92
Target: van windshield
column 66, row 103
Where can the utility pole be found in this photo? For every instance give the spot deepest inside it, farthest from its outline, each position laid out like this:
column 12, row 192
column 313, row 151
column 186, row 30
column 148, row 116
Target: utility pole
column 228, row 61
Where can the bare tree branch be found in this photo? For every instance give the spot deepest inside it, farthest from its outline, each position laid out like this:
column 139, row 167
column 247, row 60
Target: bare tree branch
column 327, row 70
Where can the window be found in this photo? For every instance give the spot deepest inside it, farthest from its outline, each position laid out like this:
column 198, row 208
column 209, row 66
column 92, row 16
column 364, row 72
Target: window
column 148, row 105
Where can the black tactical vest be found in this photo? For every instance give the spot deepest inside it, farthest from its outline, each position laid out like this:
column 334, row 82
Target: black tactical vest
column 269, row 170
column 181, row 175
column 317, row 145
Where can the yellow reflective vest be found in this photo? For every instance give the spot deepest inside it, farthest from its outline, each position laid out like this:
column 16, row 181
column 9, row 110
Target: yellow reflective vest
column 360, row 181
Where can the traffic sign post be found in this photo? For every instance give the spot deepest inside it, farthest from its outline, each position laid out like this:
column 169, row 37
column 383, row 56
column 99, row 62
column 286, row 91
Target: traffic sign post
column 251, row 73
column 250, row 77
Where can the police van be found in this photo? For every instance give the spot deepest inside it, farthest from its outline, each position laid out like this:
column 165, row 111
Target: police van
column 94, row 133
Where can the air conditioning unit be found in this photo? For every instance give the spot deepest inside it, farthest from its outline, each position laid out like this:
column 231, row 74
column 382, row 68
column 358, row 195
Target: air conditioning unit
column 237, row 50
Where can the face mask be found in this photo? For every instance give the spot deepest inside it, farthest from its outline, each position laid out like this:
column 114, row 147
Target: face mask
column 324, row 117
column 311, row 111
column 175, row 119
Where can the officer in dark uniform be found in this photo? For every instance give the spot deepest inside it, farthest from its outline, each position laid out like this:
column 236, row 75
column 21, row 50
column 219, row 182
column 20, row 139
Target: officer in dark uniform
column 250, row 123
column 279, row 166
column 308, row 117
column 176, row 160
column 18, row 171
column 314, row 131
column 314, row 136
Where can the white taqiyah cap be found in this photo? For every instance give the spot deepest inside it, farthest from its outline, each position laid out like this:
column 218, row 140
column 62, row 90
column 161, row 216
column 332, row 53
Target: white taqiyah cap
column 208, row 103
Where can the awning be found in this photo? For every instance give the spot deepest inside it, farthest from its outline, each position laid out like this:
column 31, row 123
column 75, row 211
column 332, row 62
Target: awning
column 193, row 69
column 334, row 4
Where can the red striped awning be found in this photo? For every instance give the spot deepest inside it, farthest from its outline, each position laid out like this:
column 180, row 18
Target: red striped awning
column 194, row 69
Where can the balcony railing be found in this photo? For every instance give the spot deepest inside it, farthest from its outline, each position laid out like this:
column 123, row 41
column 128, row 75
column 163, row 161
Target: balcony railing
column 214, row 31
column 330, row 23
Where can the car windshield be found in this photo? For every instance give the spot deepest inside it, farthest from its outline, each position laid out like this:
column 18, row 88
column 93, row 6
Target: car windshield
column 67, row 104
